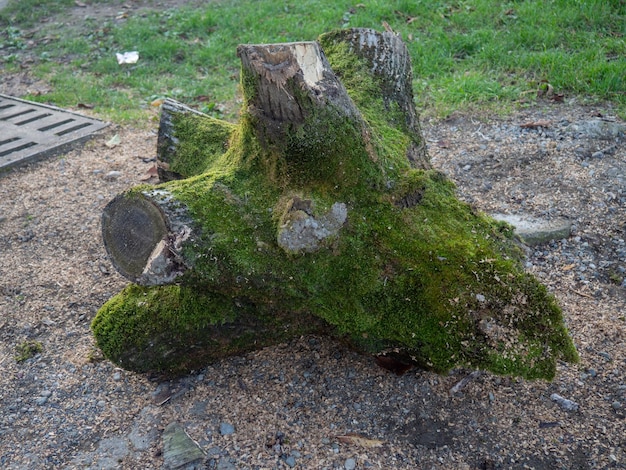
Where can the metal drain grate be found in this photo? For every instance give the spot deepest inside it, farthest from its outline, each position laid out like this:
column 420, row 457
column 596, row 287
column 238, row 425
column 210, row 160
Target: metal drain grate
column 31, row 131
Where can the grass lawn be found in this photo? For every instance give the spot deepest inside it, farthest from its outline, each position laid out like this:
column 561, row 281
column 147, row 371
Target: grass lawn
column 466, row 53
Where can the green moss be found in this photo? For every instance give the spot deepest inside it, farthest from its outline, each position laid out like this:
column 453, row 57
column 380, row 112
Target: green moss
column 201, row 141
column 175, row 329
column 413, row 269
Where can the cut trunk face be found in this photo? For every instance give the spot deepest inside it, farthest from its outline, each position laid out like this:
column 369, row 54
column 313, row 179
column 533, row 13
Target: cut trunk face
column 318, row 212
column 131, row 231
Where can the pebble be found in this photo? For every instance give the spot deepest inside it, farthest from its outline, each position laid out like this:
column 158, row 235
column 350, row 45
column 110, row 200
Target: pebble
column 291, row 461
column 564, row 403
column 178, row 448
column 616, row 405
column 226, row 429
column 112, row 175
column 117, row 376
column 350, row 464
column 225, row 464
column 41, row 400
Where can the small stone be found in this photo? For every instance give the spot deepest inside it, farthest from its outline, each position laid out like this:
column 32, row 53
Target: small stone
column 214, row 451
column 41, row 400
column 226, row 429
column 564, row 403
column 536, row 231
column 46, row 393
column 350, row 464
column 225, row 464
column 117, row 376
column 112, row 175
column 291, row 461
column 178, row 448
column 616, row 405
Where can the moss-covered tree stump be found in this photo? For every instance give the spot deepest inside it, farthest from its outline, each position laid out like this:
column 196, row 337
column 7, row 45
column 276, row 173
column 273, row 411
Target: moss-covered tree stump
column 319, row 212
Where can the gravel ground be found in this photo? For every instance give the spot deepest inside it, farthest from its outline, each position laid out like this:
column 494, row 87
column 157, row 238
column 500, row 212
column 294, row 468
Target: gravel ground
column 311, row 403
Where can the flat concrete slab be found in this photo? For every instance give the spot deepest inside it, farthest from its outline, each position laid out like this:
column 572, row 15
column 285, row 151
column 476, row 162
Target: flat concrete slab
column 535, row 231
column 31, row 131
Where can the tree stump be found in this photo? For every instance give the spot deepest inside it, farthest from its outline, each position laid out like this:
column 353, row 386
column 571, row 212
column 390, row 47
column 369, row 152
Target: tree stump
column 318, row 213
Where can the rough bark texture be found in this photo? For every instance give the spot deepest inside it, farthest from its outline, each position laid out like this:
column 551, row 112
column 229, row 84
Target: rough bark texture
column 389, row 61
column 285, row 83
column 320, row 211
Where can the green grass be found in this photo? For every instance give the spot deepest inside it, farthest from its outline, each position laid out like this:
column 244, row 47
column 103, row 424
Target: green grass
column 472, row 53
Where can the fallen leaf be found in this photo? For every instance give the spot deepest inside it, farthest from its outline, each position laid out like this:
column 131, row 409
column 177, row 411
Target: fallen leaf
column 387, row 27
column 444, row 144
column 114, row 141
column 569, row 267
column 156, row 103
column 80, row 4
column 358, row 440
column 392, row 364
column 151, row 173
column 558, row 97
column 535, row 124
column 85, row 106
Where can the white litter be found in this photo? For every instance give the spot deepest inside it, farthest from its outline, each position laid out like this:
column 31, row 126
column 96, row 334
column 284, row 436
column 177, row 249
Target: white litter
column 127, row 57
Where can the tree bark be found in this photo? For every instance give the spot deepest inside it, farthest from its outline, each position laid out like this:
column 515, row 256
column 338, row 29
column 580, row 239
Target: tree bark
column 389, row 61
column 319, row 208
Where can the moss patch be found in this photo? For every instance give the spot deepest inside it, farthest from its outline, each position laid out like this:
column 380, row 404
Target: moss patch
column 175, row 329
column 201, row 142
